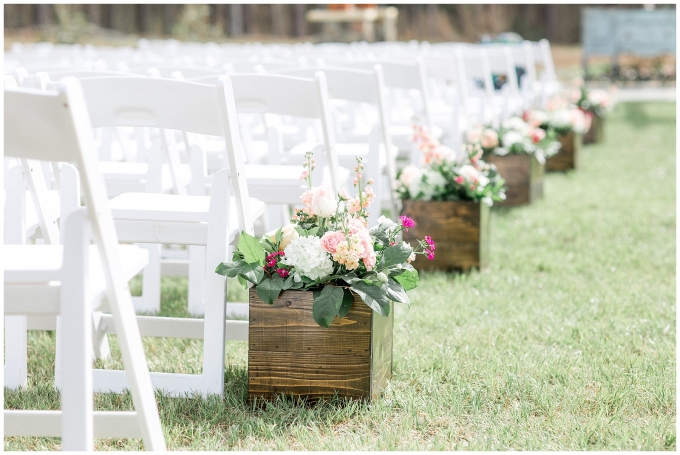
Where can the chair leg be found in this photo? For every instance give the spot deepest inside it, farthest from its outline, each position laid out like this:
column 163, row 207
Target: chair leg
column 150, row 300
column 16, row 346
column 197, row 269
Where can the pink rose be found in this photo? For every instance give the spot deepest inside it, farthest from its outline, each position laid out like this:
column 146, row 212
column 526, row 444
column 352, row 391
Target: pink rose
column 330, row 240
column 355, row 225
column 537, row 135
column 489, row 139
column 409, row 173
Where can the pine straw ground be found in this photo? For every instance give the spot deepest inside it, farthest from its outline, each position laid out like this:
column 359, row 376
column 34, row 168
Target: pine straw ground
column 566, row 342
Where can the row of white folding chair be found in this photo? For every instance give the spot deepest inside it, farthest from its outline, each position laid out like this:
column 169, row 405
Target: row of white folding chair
column 56, row 280
column 205, row 223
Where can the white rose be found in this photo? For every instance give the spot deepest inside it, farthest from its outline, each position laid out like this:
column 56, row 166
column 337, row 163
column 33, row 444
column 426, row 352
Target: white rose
column 516, row 124
column 561, row 118
column 323, row 201
column 288, row 234
column 410, row 173
column 384, row 220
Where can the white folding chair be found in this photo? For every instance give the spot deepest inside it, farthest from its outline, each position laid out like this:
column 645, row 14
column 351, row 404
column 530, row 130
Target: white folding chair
column 374, row 143
column 286, row 96
column 51, row 279
column 207, row 224
column 408, row 95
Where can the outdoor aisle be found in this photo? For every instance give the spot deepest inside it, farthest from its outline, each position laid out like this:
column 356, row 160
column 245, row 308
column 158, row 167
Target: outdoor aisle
column 566, row 342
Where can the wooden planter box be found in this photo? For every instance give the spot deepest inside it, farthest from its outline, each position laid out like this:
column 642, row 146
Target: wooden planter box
column 567, row 158
column 523, row 176
column 288, row 353
column 596, row 132
column 459, row 229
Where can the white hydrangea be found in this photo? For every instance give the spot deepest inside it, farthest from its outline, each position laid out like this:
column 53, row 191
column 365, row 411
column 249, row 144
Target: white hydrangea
column 428, row 184
column 512, row 137
column 308, row 257
column 516, row 124
column 561, row 118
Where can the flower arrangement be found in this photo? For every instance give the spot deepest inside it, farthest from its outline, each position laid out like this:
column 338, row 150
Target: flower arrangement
column 329, row 250
column 515, row 136
column 595, row 101
column 561, row 116
column 445, row 177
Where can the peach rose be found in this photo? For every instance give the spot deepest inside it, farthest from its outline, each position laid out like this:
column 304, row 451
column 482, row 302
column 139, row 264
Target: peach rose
column 330, row 240
column 289, row 233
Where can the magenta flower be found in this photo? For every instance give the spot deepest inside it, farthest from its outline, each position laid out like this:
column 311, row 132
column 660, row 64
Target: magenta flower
column 430, row 255
column 430, row 243
column 407, row 222
column 283, row 273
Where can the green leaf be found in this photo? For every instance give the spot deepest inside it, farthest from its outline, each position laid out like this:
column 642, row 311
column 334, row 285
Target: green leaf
column 347, row 299
column 395, row 291
column 397, row 254
column 288, row 282
column 230, row 269
column 252, row 249
column 278, row 236
column 408, row 279
column 243, row 282
column 312, row 231
column 252, row 273
column 373, row 296
column 326, row 305
column 269, row 289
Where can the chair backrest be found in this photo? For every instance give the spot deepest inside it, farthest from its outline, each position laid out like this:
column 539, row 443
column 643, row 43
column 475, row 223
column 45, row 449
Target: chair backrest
column 354, row 85
column 402, row 75
column 175, row 105
column 501, row 61
column 292, row 96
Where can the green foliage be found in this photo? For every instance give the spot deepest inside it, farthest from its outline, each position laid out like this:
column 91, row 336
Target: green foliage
column 327, row 303
column 252, row 250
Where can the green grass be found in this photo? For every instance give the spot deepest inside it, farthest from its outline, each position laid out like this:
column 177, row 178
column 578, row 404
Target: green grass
column 566, row 342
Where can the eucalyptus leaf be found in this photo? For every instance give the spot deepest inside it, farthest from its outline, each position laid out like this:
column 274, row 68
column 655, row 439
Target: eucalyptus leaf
column 326, row 305
column 373, row 296
column 347, row 299
column 252, row 273
column 395, row 291
column 230, row 269
column 397, row 254
column 269, row 289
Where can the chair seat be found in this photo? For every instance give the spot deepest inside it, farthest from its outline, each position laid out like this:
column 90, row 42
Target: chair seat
column 42, row 264
column 171, row 207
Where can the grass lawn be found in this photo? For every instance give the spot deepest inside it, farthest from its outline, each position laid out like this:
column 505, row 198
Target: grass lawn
column 566, row 342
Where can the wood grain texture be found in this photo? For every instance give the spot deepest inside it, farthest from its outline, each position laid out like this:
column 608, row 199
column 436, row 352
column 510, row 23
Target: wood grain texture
column 567, row 158
column 596, row 132
column 523, row 176
column 290, row 354
column 459, row 230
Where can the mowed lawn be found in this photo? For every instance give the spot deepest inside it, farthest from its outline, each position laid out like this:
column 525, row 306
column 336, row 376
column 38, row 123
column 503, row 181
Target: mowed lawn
column 566, row 342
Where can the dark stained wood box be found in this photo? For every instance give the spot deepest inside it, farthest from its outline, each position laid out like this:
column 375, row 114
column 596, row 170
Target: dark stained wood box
column 523, row 175
column 567, row 158
column 596, row 132
column 290, row 354
column 459, row 229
